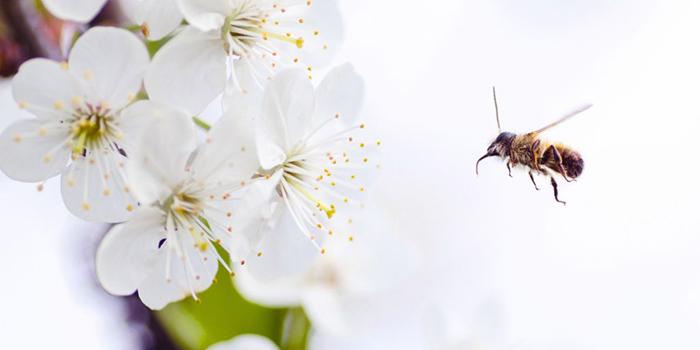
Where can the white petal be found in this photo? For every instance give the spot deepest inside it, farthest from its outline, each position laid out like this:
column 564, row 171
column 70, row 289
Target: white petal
column 271, row 230
column 44, row 89
column 229, row 153
column 205, row 15
column 157, row 18
column 160, row 156
column 282, row 292
column 247, row 83
column 341, row 92
column 92, row 196
column 246, row 342
column 324, row 17
column 74, row 10
column 198, row 270
column 133, row 119
column 127, row 253
column 256, row 214
column 111, row 60
column 29, row 156
column 287, row 115
column 189, row 71
column 327, row 311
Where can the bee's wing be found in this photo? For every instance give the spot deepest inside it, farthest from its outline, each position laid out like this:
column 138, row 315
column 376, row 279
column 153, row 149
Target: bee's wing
column 565, row 117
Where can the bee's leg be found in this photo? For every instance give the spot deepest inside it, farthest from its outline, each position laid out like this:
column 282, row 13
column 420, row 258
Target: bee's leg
column 556, row 191
column 533, row 150
column 508, row 166
column 533, row 180
column 560, row 165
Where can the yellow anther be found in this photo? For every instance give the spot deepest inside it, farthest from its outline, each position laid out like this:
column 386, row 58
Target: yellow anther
column 362, row 189
column 259, row 254
column 86, row 206
column 129, row 207
column 199, row 301
column 323, row 251
column 58, row 104
column 87, row 74
column 267, row 176
column 70, row 182
column 301, row 20
column 63, row 65
column 330, row 232
column 315, row 32
column 351, row 238
column 75, row 100
column 145, row 30
column 318, row 225
column 203, row 247
column 17, row 138
column 43, row 131
column 22, row 104
column 47, row 158
column 362, row 145
column 106, row 192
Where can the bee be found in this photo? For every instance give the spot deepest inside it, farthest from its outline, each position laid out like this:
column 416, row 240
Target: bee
column 538, row 156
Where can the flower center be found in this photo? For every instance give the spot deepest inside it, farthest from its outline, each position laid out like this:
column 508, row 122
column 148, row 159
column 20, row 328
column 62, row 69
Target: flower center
column 92, row 127
column 248, row 28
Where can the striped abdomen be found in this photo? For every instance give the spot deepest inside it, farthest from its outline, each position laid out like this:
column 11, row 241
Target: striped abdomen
column 571, row 160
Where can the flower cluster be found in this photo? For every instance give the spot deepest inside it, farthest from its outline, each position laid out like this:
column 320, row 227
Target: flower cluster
column 284, row 170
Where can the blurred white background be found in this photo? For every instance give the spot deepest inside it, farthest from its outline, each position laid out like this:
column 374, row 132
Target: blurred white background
column 618, row 267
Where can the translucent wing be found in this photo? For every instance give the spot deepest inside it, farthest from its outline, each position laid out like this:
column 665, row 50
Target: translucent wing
column 565, row 117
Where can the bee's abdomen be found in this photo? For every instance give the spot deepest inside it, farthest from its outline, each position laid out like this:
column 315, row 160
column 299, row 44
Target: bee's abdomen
column 571, row 161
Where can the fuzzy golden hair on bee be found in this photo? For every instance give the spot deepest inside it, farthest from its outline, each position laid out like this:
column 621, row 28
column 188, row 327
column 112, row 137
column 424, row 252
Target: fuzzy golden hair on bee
column 536, row 155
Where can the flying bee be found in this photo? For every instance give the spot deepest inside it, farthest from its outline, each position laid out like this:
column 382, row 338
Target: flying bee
column 535, row 154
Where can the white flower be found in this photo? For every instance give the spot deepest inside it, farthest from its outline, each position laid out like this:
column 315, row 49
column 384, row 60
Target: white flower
column 74, row 10
column 316, row 164
column 78, row 108
column 254, row 38
column 166, row 250
column 246, row 342
column 337, row 290
column 157, row 18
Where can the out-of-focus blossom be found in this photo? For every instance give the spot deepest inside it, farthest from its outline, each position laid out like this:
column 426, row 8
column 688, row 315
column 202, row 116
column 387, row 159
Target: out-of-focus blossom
column 317, row 166
column 157, row 18
column 447, row 328
column 74, row 10
column 78, row 110
column 166, row 251
column 246, row 342
column 253, row 38
column 336, row 291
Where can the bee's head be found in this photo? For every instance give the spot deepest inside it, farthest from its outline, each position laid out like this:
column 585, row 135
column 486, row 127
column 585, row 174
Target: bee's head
column 501, row 144
column 499, row 147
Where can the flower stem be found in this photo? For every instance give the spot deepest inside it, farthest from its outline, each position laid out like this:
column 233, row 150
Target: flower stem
column 201, row 123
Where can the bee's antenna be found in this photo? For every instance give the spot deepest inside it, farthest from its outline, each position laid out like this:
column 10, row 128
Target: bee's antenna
column 498, row 121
